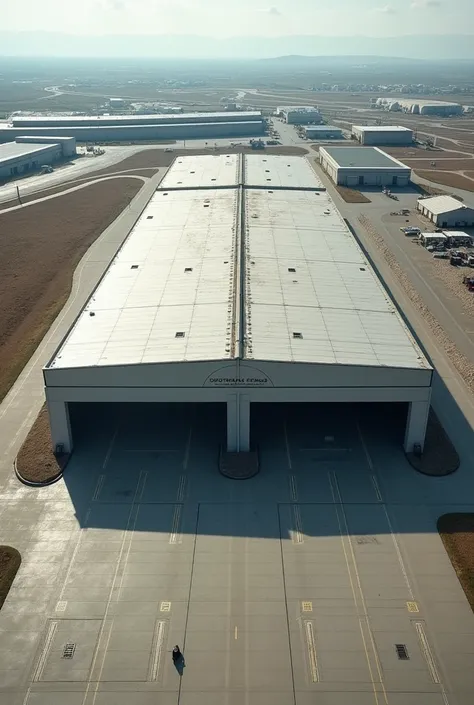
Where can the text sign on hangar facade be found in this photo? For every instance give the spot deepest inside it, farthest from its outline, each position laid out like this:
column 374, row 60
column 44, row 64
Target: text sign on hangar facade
column 247, row 377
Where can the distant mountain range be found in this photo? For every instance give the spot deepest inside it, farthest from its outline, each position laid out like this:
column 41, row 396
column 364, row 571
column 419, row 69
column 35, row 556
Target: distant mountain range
column 290, row 47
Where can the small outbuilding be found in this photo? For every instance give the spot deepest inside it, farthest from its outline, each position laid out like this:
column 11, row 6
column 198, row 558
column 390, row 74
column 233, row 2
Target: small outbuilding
column 446, row 212
column 363, row 166
column 323, row 132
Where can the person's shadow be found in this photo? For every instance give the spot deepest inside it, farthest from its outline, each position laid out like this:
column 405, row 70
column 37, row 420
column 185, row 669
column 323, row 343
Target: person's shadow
column 180, row 664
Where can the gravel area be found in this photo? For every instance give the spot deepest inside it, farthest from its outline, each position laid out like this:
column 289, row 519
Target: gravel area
column 464, row 366
column 457, row 534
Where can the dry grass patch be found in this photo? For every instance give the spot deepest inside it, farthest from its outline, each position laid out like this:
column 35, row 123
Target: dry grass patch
column 40, row 246
column 10, row 561
column 446, row 178
column 457, row 534
column 351, row 195
column 36, row 461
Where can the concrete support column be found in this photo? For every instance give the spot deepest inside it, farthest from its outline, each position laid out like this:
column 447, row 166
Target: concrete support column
column 238, row 423
column 244, row 423
column 417, row 420
column 232, row 424
column 60, row 425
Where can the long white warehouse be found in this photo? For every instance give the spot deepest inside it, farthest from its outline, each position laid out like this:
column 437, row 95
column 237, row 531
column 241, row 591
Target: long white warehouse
column 241, row 284
column 363, row 166
column 382, row 135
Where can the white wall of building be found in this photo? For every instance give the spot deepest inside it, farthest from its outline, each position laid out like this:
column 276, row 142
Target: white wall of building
column 354, row 176
column 462, row 218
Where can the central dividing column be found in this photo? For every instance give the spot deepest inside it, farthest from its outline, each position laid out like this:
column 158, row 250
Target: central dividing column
column 238, row 423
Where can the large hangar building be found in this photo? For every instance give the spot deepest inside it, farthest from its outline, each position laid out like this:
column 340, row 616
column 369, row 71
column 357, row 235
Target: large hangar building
column 396, row 135
column 363, row 166
column 240, row 283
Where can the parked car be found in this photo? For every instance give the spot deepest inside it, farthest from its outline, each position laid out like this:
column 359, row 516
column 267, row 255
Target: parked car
column 410, row 231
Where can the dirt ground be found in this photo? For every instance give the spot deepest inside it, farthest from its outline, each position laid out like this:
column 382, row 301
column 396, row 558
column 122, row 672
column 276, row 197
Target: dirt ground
column 417, row 153
column 457, row 534
column 36, row 461
column 447, row 178
column 441, row 164
column 40, row 247
column 10, row 561
column 351, row 195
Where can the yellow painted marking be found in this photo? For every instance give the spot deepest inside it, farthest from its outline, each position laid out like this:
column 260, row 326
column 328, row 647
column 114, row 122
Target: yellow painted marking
column 174, row 535
column 313, row 663
column 412, row 607
column 236, row 632
column 307, row 606
column 165, row 606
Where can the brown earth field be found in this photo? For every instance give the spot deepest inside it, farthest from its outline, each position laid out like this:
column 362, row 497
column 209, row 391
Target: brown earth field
column 40, row 247
column 418, row 153
column 441, row 164
column 457, row 534
column 447, row 178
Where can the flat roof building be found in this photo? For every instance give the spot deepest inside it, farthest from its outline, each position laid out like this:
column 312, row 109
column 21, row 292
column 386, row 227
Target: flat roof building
column 241, row 294
column 323, row 132
column 116, row 120
column 363, row 166
column 382, row 134
column 18, row 158
column 419, row 107
column 446, row 212
column 299, row 114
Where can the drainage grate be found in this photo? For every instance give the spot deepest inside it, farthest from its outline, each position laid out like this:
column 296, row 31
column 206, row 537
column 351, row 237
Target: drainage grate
column 307, row 606
column 412, row 607
column 402, row 652
column 165, row 606
column 68, row 651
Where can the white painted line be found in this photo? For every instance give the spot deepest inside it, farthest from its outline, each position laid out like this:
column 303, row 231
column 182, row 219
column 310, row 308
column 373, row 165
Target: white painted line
column 376, row 488
column 158, row 640
column 236, row 633
column 174, row 535
column 98, row 488
column 45, row 652
column 110, row 448
column 129, row 528
column 181, row 488
column 144, row 481
column 298, row 536
column 313, row 663
column 425, row 648
column 293, row 488
column 287, row 445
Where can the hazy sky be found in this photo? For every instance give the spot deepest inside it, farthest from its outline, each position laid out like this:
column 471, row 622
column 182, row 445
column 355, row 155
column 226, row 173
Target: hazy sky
column 219, row 18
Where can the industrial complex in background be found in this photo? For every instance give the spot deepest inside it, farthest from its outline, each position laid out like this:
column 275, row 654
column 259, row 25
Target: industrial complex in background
column 240, row 283
column 419, row 107
column 116, row 128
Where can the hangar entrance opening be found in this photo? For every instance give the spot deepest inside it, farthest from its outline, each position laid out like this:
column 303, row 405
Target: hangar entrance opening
column 146, row 427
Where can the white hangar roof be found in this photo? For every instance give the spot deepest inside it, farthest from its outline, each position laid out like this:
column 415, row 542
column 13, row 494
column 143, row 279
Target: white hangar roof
column 198, row 257
column 311, row 294
column 203, row 171
column 442, row 204
column 280, row 172
column 381, row 128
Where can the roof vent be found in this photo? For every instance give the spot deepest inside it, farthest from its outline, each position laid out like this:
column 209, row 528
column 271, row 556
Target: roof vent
column 149, row 217
column 188, row 269
column 402, row 652
column 179, row 334
column 291, row 269
column 212, row 179
column 270, row 192
column 134, row 266
column 164, row 194
column 362, row 269
column 206, row 205
column 192, row 172
column 297, row 335
column 91, row 313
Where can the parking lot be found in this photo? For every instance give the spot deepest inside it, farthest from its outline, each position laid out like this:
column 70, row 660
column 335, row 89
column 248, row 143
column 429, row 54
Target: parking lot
column 297, row 583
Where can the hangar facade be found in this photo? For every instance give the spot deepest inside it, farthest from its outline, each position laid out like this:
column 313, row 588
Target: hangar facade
column 240, row 283
column 363, row 166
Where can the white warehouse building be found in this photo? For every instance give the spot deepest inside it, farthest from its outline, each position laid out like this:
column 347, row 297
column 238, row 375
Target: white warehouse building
column 239, row 284
column 363, row 166
column 383, row 135
column 299, row 114
column 446, row 212
column 26, row 154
